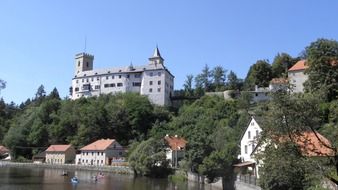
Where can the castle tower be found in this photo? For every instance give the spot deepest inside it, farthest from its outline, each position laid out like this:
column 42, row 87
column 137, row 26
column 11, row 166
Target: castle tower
column 83, row 62
column 156, row 58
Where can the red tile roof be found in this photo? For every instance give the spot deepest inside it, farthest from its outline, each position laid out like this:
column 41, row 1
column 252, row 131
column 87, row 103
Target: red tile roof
column 310, row 145
column 3, row 149
column 279, row 81
column 58, row 148
column 175, row 143
column 300, row 65
column 101, row 144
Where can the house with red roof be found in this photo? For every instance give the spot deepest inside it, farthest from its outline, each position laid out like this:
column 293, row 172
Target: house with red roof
column 101, row 152
column 60, row 154
column 297, row 77
column 176, row 149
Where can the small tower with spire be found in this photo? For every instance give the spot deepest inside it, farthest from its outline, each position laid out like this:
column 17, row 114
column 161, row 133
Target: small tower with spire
column 156, row 58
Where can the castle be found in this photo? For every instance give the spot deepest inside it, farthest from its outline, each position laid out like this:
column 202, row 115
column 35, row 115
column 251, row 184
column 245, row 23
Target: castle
column 153, row 80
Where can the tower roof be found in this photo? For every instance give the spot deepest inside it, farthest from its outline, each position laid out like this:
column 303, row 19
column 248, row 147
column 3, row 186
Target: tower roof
column 157, row 53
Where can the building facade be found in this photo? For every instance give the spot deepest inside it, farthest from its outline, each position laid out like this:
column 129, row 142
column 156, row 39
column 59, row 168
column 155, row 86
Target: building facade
column 153, row 80
column 101, row 152
column 60, row 154
column 297, row 77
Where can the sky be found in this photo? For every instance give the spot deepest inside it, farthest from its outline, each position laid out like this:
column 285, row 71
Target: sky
column 39, row 38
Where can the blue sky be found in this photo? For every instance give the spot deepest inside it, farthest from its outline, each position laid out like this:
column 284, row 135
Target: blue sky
column 39, row 38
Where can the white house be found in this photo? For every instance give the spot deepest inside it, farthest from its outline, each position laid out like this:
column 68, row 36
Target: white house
column 176, row 149
column 249, row 142
column 297, row 77
column 153, row 80
column 101, row 152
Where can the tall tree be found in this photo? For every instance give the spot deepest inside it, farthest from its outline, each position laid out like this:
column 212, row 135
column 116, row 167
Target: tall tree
column 281, row 63
column 259, row 74
column 233, row 82
column 322, row 59
column 219, row 76
column 40, row 92
column 54, row 94
column 202, row 80
column 188, row 86
column 2, row 84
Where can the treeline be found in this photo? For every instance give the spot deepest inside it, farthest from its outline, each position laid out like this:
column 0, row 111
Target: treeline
column 47, row 120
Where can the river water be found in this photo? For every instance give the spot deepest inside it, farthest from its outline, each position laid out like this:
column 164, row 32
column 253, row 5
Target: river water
column 13, row 178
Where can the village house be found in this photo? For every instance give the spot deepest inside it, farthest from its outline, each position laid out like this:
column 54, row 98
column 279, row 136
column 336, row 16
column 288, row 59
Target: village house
column 4, row 153
column 101, row 152
column 60, row 154
column 297, row 77
column 176, row 149
column 308, row 142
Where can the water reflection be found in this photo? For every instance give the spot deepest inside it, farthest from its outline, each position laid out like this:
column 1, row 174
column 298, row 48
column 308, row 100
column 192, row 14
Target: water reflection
column 36, row 178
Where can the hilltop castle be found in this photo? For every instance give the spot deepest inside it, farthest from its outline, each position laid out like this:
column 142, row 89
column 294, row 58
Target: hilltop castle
column 153, row 80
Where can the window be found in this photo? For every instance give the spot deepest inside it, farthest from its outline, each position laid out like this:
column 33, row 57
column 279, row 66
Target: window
column 159, row 82
column 87, row 80
column 256, row 94
column 98, row 78
column 151, row 74
column 150, row 82
column 112, row 77
column 246, row 149
column 150, row 90
column 158, row 89
column 101, row 161
column 106, row 85
column 78, row 63
column 92, row 153
column 76, row 89
column 119, row 84
column 77, row 81
column 97, row 87
column 120, row 153
column 136, row 84
column 249, row 135
column 159, row 74
column 120, row 76
column 86, row 87
column 101, row 153
column 127, row 76
column 92, row 79
column 137, row 75
column 82, row 80
column 107, row 77
column 87, row 153
column 114, row 146
column 256, row 133
column 252, row 123
column 112, row 84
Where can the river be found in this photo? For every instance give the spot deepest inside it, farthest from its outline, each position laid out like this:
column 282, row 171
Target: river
column 13, row 178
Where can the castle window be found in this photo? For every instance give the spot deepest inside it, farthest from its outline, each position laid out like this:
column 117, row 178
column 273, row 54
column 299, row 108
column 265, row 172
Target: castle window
column 77, row 81
column 150, row 90
column 98, row 78
column 87, row 64
column 112, row 85
column 112, row 77
column 127, row 76
column 119, row 84
column 159, row 82
column 158, row 89
column 136, row 84
column 92, row 79
column 106, row 85
column 82, row 80
column 150, row 82
column 87, row 80
column 76, row 89
column 97, row 87
column 120, row 76
column 107, row 77
column 137, row 76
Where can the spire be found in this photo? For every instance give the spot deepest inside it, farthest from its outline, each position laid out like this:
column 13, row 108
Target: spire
column 156, row 58
column 157, row 52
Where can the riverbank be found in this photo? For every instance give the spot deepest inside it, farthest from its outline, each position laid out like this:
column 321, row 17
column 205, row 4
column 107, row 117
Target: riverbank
column 111, row 169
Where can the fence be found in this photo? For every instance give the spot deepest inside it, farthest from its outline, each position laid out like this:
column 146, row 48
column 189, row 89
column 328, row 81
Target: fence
column 249, row 179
